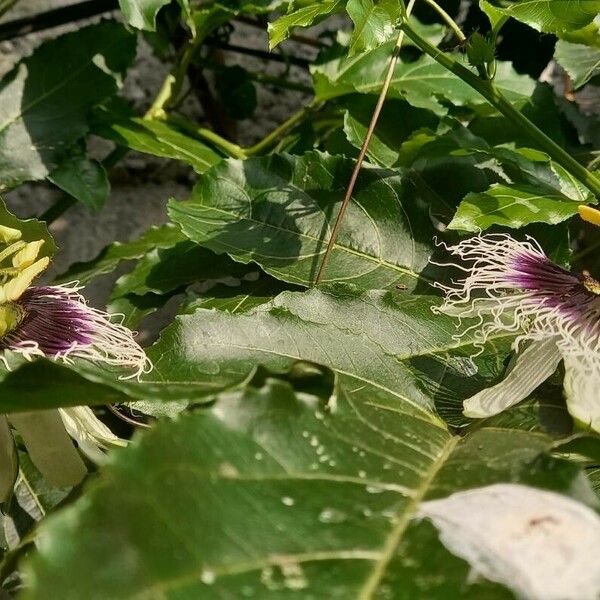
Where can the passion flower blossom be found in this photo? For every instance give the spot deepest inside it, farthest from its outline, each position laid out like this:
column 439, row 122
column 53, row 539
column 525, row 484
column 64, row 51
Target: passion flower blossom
column 513, row 287
column 56, row 322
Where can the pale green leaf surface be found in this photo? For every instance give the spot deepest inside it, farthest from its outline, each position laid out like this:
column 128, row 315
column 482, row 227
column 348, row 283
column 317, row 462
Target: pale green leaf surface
column 578, row 52
column 275, row 495
column 411, row 364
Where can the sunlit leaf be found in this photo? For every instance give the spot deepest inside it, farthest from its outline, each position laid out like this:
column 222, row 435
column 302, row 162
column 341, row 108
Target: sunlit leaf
column 273, row 495
column 277, row 211
column 550, row 16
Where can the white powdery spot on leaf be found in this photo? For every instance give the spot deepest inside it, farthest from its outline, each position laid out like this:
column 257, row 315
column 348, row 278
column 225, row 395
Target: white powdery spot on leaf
column 541, row 545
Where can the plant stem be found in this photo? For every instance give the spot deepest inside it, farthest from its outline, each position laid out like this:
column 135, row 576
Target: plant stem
column 363, row 150
column 448, row 19
column 493, row 95
column 227, row 147
column 278, row 132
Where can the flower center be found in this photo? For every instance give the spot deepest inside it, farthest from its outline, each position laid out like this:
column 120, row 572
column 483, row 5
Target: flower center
column 590, row 283
column 11, row 315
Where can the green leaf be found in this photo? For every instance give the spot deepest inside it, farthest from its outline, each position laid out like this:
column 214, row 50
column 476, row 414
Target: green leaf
column 136, row 308
column 549, row 16
column 374, row 22
column 578, row 53
column 164, row 270
column 276, row 495
column 9, row 464
column 46, row 97
column 512, row 206
column 34, row 494
column 397, row 121
column 309, row 14
column 423, row 83
column 480, row 51
column 44, row 384
column 141, row 14
column 495, row 15
column 83, row 178
column 31, row 230
column 414, row 360
column 50, row 447
column 157, row 138
column 277, row 210
column 164, row 236
column 510, row 187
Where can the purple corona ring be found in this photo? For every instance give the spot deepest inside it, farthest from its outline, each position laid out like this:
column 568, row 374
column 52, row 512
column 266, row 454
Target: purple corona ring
column 56, row 322
column 513, row 287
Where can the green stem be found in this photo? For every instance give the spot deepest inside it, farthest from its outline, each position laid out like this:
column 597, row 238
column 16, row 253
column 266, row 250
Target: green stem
column 227, row 147
column 272, row 138
column 493, row 95
column 448, row 19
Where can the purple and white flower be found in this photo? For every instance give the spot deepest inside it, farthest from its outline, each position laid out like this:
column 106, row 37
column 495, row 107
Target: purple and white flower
column 56, row 322
column 513, row 287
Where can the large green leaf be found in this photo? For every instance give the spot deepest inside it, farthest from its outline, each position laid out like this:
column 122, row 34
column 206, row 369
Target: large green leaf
column 157, row 138
column 276, row 211
column 374, row 22
column 538, row 191
column 550, row 16
column 423, row 83
column 497, row 185
column 45, row 99
column 304, row 16
column 412, row 363
column 275, row 495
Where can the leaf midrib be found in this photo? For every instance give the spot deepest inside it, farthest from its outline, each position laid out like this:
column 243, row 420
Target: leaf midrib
column 389, row 549
column 378, row 261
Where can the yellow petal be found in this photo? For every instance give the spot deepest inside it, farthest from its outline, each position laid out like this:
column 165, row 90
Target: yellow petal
column 26, row 256
column 15, row 287
column 589, row 214
column 9, row 235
